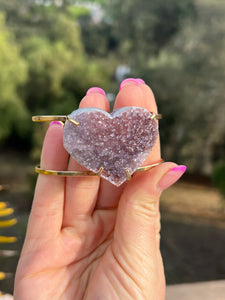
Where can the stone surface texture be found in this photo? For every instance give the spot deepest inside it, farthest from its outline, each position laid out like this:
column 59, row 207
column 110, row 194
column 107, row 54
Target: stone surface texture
column 118, row 141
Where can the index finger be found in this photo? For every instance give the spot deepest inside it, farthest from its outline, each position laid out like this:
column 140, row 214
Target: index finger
column 47, row 209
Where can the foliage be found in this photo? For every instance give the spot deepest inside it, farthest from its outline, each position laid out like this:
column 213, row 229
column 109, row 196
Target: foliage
column 58, row 71
column 144, row 27
column 13, row 74
column 78, row 11
column 58, row 52
column 98, row 39
column 218, row 177
column 188, row 79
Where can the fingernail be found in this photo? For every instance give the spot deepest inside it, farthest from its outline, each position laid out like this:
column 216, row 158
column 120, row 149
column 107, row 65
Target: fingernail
column 57, row 123
column 128, row 81
column 171, row 177
column 140, row 81
column 95, row 90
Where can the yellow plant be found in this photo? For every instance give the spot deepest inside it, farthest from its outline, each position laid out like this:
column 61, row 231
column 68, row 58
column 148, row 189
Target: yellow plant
column 4, row 212
column 8, row 223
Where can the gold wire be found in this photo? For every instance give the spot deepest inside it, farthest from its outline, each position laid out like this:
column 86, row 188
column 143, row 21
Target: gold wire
column 64, row 173
column 73, row 121
column 128, row 174
column 153, row 116
column 157, row 117
column 49, row 118
column 149, row 167
column 67, row 118
column 99, row 173
column 88, row 173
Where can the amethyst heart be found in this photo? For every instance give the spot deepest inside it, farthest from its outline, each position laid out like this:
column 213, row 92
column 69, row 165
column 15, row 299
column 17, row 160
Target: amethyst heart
column 116, row 142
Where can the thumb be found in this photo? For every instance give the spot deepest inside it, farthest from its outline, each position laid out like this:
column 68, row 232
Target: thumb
column 136, row 226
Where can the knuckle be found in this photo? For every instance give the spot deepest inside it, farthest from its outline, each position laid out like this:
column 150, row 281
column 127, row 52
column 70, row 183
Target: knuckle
column 146, row 205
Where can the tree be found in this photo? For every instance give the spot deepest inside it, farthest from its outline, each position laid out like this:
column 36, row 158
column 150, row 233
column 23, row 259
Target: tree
column 144, row 27
column 13, row 74
column 188, row 78
column 58, row 71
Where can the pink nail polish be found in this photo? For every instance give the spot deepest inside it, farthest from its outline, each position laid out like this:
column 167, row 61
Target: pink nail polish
column 95, row 90
column 140, row 81
column 128, row 81
column 57, row 123
column 171, row 177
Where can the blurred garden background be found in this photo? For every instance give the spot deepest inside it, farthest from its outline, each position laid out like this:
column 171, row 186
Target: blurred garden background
column 52, row 51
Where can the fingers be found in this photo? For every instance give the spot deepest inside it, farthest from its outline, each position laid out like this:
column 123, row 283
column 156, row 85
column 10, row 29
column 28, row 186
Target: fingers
column 47, row 209
column 133, row 92
column 82, row 192
column 136, row 226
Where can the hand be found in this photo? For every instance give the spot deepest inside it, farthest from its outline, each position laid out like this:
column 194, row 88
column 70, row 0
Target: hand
column 87, row 239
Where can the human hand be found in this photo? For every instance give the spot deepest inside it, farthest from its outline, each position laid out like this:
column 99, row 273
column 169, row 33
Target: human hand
column 87, row 239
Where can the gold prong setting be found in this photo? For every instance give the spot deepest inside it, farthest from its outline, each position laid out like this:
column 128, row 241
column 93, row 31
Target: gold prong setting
column 155, row 116
column 99, row 173
column 127, row 171
column 72, row 121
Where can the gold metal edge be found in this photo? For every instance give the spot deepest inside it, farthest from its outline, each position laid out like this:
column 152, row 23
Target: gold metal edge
column 86, row 173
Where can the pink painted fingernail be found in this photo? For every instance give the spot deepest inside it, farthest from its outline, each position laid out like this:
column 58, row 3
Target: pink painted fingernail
column 128, row 81
column 57, row 123
column 171, row 177
column 140, row 81
column 95, row 90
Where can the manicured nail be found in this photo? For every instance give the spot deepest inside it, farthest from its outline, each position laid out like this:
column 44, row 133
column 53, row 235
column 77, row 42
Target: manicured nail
column 171, row 177
column 128, row 81
column 57, row 123
column 95, row 90
column 140, row 81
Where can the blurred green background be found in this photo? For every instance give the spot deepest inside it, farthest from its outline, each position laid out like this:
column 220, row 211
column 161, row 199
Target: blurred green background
column 51, row 52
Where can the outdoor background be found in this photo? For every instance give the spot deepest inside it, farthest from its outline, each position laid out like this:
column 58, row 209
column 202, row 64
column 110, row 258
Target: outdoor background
column 51, row 52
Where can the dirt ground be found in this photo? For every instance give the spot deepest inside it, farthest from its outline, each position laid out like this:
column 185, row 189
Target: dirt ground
column 194, row 203
column 193, row 233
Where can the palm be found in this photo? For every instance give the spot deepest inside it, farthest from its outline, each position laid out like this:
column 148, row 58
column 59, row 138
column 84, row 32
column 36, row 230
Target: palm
column 78, row 244
column 74, row 261
column 70, row 266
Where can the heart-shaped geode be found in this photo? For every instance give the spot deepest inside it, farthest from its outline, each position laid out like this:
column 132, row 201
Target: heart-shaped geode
column 116, row 142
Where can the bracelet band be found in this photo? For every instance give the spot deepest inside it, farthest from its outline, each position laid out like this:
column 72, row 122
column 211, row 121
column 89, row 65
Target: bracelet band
column 62, row 118
column 39, row 170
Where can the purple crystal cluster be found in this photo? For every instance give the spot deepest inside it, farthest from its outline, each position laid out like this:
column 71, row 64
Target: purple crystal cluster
column 117, row 142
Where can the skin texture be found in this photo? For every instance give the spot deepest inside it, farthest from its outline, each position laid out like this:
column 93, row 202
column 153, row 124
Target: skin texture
column 87, row 239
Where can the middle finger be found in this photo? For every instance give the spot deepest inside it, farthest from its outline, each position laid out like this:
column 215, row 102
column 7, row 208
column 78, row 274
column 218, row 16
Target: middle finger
column 132, row 93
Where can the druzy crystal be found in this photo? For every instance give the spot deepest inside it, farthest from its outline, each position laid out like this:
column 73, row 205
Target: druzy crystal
column 117, row 142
